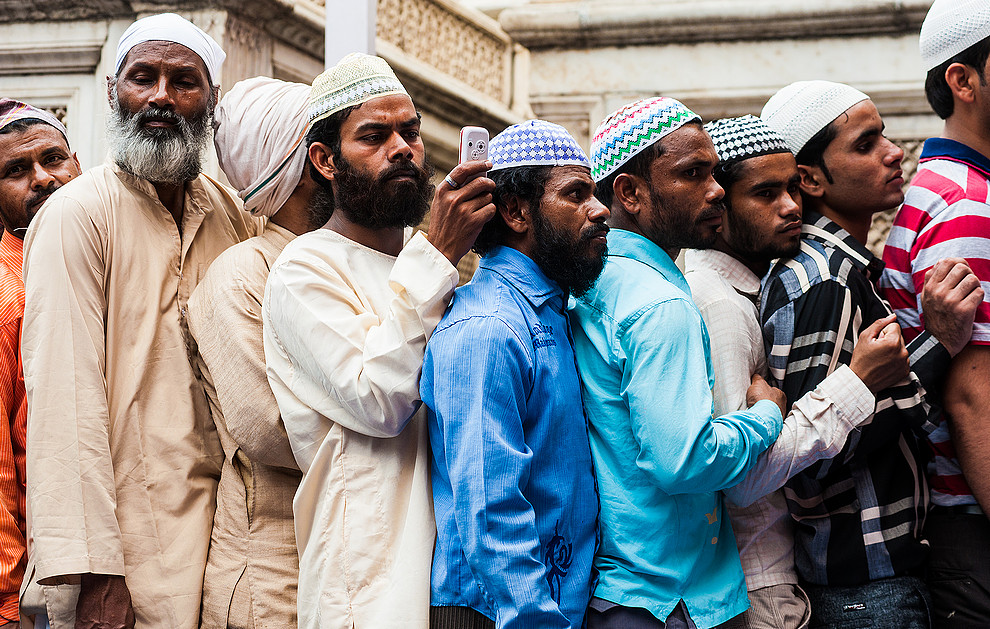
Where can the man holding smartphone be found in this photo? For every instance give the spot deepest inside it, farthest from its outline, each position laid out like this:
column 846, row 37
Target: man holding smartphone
column 513, row 483
column 347, row 311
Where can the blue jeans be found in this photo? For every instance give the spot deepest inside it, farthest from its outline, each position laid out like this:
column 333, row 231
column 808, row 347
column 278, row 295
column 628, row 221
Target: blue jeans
column 894, row 603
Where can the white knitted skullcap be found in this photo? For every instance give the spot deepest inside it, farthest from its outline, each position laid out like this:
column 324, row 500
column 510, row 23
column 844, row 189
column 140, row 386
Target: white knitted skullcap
column 800, row 110
column 951, row 27
column 356, row 79
column 173, row 28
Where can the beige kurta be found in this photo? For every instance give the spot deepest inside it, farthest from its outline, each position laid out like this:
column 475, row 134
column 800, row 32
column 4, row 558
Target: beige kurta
column 123, row 458
column 253, row 559
column 345, row 328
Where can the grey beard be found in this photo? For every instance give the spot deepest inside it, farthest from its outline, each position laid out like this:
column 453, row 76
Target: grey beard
column 170, row 156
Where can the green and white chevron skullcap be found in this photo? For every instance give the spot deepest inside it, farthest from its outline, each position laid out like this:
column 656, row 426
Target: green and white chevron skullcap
column 635, row 127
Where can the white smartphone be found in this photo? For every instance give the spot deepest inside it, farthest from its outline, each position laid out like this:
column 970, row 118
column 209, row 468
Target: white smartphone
column 474, row 145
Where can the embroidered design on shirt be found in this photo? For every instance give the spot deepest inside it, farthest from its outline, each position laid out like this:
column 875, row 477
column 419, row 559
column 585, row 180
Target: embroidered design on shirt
column 712, row 517
column 558, row 560
column 542, row 334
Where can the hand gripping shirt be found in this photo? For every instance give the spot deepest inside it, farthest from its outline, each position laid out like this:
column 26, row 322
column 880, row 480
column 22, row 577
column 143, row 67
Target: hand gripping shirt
column 661, row 457
column 859, row 514
column 513, row 482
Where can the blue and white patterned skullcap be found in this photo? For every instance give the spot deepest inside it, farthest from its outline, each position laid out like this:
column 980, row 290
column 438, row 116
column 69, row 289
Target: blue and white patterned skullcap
column 741, row 138
column 535, row 143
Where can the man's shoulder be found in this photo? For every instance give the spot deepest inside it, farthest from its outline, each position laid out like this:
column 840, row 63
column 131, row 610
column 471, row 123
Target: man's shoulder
column 814, row 264
column 628, row 287
column 244, row 265
column 11, row 296
column 709, row 287
column 487, row 301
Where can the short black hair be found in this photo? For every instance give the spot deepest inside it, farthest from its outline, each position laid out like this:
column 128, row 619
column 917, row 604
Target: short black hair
column 527, row 183
column 22, row 124
column 726, row 174
column 638, row 165
column 813, row 152
column 937, row 90
column 327, row 131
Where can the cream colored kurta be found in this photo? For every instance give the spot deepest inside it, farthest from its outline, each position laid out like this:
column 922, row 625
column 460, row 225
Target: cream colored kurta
column 123, row 458
column 345, row 328
column 253, row 560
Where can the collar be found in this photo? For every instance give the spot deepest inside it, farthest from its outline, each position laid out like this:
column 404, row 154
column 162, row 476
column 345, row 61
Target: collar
column 943, row 148
column 627, row 244
column 195, row 196
column 821, row 229
column 524, row 275
column 732, row 270
column 12, row 252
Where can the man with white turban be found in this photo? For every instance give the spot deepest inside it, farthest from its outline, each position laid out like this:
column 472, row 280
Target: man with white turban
column 347, row 312
column 946, row 212
column 123, row 458
column 252, row 568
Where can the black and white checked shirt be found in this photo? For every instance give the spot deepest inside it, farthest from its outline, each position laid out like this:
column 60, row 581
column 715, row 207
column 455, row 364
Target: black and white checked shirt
column 859, row 515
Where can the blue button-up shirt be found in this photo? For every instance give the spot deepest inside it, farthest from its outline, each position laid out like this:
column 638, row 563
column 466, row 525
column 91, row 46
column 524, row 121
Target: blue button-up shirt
column 661, row 458
column 513, row 480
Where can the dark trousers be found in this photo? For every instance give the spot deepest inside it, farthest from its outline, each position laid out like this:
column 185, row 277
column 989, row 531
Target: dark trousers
column 895, row 603
column 959, row 568
column 458, row 618
column 604, row 615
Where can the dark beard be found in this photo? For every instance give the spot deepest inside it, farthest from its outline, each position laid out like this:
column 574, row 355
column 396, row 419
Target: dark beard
column 160, row 155
column 376, row 202
column 672, row 227
column 751, row 244
column 571, row 263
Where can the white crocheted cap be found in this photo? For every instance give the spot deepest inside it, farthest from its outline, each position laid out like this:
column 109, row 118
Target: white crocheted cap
column 800, row 110
column 356, row 79
column 951, row 27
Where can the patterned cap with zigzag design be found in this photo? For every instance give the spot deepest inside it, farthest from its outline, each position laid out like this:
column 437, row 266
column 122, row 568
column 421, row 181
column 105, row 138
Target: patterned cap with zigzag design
column 628, row 131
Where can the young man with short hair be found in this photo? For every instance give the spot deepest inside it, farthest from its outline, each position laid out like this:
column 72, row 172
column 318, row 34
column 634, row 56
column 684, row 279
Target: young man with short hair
column 946, row 212
column 859, row 546
column 762, row 222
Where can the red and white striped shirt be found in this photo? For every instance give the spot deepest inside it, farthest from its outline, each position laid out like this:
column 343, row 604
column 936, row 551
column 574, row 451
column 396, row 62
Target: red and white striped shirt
column 13, row 426
column 946, row 213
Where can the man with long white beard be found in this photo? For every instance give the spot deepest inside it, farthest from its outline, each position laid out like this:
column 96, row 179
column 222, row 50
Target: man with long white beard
column 123, row 458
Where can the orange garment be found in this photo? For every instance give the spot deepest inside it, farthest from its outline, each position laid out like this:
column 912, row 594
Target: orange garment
column 13, row 426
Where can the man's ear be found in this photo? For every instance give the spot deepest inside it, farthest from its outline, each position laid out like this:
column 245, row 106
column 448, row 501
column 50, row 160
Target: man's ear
column 322, row 159
column 109, row 89
column 516, row 214
column 628, row 191
column 812, row 179
column 963, row 81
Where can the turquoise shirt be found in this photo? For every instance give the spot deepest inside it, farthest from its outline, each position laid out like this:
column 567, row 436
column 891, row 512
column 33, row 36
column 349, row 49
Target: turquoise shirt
column 661, row 458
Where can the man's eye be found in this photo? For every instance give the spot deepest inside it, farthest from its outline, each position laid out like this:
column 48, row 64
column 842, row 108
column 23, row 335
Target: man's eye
column 692, row 172
column 412, row 134
column 13, row 171
column 55, row 159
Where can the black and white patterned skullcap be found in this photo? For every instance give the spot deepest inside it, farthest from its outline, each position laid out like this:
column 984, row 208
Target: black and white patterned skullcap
column 741, row 138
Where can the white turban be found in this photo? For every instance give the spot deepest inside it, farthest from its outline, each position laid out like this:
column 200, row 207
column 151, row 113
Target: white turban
column 800, row 110
column 173, row 28
column 259, row 128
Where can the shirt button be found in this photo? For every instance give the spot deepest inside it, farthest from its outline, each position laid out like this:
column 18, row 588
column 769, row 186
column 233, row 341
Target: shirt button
column 714, row 541
column 183, row 311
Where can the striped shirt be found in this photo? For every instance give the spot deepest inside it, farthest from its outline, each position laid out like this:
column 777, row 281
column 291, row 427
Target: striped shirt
column 859, row 515
column 13, row 428
column 946, row 213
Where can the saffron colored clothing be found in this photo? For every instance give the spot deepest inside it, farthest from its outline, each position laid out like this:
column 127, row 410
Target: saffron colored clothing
column 727, row 294
column 513, row 484
column 859, row 514
column 661, row 456
column 122, row 456
column 345, row 328
column 946, row 213
column 13, row 427
column 253, row 565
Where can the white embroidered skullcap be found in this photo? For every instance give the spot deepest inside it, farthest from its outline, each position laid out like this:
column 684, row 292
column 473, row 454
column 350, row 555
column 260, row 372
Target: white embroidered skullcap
column 744, row 137
column 951, row 27
column 13, row 110
column 535, row 143
column 357, row 78
column 800, row 110
column 633, row 128
column 259, row 127
column 173, row 28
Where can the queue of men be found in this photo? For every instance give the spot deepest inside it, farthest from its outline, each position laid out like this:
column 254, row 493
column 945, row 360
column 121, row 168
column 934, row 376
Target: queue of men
column 271, row 406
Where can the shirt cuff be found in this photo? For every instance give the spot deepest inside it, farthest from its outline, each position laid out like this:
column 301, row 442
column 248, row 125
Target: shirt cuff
column 769, row 413
column 423, row 272
column 851, row 399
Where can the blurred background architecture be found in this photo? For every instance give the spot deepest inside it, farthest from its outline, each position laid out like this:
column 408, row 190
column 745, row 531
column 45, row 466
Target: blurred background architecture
column 496, row 62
